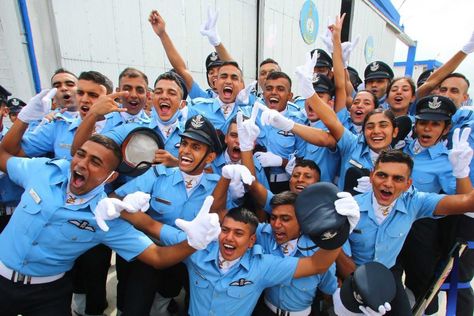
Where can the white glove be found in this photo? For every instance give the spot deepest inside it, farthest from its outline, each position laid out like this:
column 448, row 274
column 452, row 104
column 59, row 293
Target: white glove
column 469, row 46
column 108, row 209
column 268, row 159
column 277, row 120
column 290, row 165
column 339, row 308
column 347, row 48
column 363, row 184
column 347, row 206
column 327, row 40
column 209, row 29
column 243, row 96
column 138, row 201
column 469, row 214
column 38, row 106
column 304, row 75
column 461, row 154
column 383, row 309
column 238, row 173
column 203, row 229
column 236, row 189
column 248, row 131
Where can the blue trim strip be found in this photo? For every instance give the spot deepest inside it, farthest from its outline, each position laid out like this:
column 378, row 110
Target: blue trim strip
column 410, row 60
column 387, row 9
column 430, row 63
column 29, row 44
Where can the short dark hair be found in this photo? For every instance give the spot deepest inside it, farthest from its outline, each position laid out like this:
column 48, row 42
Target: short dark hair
column 98, row 78
column 171, row 76
column 62, row 71
column 235, row 64
column 395, row 155
column 374, row 97
column 408, row 79
column 458, row 75
column 389, row 114
column 283, row 198
column 308, row 163
column 277, row 75
column 243, row 215
column 131, row 72
column 109, row 144
column 269, row 61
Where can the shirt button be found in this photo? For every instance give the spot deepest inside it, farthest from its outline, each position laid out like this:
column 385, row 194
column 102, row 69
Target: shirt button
column 25, row 262
column 46, row 225
column 74, row 238
column 34, row 243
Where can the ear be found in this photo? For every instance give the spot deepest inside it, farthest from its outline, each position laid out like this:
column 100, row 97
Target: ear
column 210, row 157
column 113, row 177
column 117, row 89
column 290, row 96
column 182, row 104
column 252, row 240
column 409, row 183
column 395, row 132
column 446, row 130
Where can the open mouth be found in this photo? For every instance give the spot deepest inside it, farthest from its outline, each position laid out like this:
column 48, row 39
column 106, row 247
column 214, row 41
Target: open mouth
column 85, row 108
column 279, row 235
column 385, row 194
column 77, row 179
column 300, row 187
column 66, row 97
column 186, row 161
column 228, row 91
column 398, row 99
column 165, row 108
column 273, row 101
column 377, row 139
column 228, row 250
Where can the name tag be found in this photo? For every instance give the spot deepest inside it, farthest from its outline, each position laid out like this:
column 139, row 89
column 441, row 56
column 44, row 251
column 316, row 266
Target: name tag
column 163, row 201
column 356, row 164
column 34, row 196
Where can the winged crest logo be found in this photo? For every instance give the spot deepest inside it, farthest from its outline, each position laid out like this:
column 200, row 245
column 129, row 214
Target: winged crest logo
column 213, row 56
column 434, row 104
column 241, row 282
column 197, row 122
column 315, row 77
column 15, row 102
column 374, row 66
column 328, row 235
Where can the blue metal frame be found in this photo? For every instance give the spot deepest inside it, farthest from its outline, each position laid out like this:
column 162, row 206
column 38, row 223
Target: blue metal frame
column 29, row 44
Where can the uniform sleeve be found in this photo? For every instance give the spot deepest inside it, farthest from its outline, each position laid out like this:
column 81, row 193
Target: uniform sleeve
column 300, row 147
column 40, row 141
column 119, row 133
column 197, row 92
column 278, row 270
column 20, row 169
column 425, row 203
column 124, row 239
column 142, row 183
column 328, row 283
column 170, row 235
column 346, row 144
column 447, row 180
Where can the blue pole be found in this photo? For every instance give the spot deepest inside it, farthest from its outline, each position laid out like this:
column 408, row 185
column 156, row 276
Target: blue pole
column 29, row 44
column 410, row 60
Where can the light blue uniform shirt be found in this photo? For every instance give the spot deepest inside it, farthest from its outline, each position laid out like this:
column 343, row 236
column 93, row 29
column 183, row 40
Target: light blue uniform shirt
column 299, row 294
column 282, row 143
column 169, row 199
column 345, row 118
column 114, row 119
column 211, row 109
column 54, row 137
column 237, row 291
column 10, row 192
column 328, row 160
column 197, row 92
column 432, row 171
column 382, row 243
column 44, row 236
column 352, row 148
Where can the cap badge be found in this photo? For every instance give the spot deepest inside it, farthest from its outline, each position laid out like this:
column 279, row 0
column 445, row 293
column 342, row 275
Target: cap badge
column 434, row 104
column 328, row 235
column 213, row 56
column 15, row 102
column 315, row 77
column 318, row 55
column 374, row 66
column 357, row 297
column 197, row 122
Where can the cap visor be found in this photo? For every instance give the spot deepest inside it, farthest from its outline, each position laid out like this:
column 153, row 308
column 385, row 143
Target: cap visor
column 347, row 296
column 432, row 117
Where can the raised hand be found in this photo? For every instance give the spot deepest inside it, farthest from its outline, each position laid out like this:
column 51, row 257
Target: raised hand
column 244, row 95
column 461, row 154
column 277, row 120
column 109, row 209
column 157, row 23
column 304, row 75
column 347, row 206
column 38, row 106
column 203, row 229
column 106, row 104
column 209, row 28
column 248, row 131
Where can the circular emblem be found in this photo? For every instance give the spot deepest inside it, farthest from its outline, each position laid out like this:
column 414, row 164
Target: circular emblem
column 369, row 49
column 309, row 22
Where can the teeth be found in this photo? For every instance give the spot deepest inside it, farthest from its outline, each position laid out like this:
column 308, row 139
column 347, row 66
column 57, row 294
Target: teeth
column 273, row 100
column 164, row 104
column 227, row 89
column 186, row 159
column 300, row 187
column 78, row 173
column 228, row 246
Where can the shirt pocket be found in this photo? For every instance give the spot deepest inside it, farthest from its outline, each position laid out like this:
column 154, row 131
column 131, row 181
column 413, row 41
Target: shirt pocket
column 163, row 207
column 239, row 292
column 27, row 213
column 77, row 231
column 398, row 231
column 198, row 280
